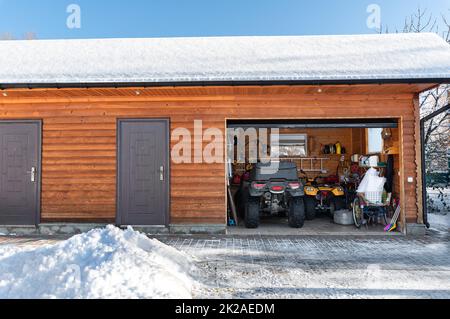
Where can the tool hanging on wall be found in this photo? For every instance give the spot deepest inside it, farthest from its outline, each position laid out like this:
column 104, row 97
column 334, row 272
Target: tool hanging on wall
column 338, row 147
column 332, row 149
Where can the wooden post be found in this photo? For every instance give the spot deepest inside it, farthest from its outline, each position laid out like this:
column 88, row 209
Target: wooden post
column 402, row 217
column 418, row 156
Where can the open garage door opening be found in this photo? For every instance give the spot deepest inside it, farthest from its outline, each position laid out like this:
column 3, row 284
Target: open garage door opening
column 314, row 176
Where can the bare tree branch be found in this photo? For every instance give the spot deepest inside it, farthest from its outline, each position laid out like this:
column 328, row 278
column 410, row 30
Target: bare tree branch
column 437, row 130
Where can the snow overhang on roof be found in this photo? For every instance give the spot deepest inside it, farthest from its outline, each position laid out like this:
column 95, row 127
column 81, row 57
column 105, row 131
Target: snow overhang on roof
column 316, row 59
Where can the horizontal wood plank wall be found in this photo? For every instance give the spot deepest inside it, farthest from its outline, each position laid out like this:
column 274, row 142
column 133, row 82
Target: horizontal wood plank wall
column 79, row 141
column 358, row 141
column 319, row 137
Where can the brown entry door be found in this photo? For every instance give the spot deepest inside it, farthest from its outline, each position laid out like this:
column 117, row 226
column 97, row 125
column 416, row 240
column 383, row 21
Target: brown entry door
column 19, row 173
column 143, row 179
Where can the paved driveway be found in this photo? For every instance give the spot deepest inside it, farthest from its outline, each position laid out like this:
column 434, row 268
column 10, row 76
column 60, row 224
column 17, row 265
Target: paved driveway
column 315, row 266
column 322, row 267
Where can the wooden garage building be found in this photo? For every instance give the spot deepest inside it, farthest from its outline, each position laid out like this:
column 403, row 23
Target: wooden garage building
column 86, row 125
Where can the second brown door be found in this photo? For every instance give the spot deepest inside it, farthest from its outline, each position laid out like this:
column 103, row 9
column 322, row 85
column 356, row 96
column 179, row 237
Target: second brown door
column 143, row 179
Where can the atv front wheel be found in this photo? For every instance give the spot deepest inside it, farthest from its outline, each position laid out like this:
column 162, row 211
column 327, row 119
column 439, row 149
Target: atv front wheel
column 296, row 216
column 310, row 204
column 252, row 213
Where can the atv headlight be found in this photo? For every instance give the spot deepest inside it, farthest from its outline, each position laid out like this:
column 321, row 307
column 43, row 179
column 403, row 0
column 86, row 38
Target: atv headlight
column 309, row 189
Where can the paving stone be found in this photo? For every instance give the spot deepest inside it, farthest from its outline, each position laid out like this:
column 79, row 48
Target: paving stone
column 324, row 267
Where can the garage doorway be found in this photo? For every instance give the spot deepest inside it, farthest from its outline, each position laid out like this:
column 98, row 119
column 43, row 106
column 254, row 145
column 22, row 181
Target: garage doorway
column 20, row 166
column 325, row 151
column 143, row 172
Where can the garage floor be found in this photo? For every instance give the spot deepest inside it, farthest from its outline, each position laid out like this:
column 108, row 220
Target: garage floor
column 322, row 225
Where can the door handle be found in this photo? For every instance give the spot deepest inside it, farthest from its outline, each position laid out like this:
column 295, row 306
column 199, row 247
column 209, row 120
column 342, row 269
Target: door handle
column 32, row 174
column 161, row 173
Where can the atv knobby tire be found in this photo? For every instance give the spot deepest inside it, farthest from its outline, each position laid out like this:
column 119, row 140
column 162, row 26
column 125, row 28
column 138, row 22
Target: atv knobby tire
column 296, row 215
column 310, row 206
column 252, row 213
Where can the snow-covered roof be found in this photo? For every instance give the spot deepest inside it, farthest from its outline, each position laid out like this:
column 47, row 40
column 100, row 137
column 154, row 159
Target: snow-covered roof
column 281, row 58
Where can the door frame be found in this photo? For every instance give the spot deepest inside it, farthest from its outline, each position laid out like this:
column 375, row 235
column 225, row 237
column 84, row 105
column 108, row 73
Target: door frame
column 166, row 122
column 37, row 216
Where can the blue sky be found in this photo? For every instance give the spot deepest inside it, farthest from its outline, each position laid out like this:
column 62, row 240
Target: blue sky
column 168, row 18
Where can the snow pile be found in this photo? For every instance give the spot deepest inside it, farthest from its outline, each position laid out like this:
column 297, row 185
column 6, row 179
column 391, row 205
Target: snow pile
column 104, row 263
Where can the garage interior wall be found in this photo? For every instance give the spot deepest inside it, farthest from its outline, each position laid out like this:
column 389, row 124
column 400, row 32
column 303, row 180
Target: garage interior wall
column 353, row 139
column 79, row 138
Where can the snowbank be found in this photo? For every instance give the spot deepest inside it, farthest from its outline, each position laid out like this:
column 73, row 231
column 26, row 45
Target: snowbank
column 104, row 263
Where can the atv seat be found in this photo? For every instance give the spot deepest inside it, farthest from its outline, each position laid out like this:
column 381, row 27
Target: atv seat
column 286, row 170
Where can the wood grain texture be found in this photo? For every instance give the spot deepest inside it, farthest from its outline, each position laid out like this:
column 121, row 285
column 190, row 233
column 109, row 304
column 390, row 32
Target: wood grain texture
column 79, row 137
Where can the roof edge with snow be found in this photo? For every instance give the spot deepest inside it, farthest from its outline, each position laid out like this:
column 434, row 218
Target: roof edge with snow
column 305, row 60
column 219, row 83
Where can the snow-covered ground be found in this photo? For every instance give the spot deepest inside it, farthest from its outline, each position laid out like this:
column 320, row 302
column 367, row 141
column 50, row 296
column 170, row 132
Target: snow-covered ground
column 104, row 263
column 439, row 222
column 439, row 211
column 321, row 267
column 439, row 200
